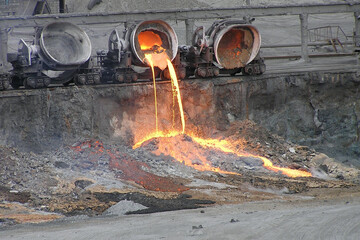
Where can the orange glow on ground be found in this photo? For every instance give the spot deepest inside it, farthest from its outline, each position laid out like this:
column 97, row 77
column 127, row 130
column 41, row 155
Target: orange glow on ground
column 228, row 147
column 286, row 171
column 185, row 152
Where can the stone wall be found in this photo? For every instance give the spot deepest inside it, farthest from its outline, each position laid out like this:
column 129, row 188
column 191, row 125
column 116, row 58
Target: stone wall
column 321, row 110
column 315, row 109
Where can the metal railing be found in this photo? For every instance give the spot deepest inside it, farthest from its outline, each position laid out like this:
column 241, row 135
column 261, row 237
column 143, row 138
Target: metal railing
column 179, row 14
column 189, row 16
column 330, row 34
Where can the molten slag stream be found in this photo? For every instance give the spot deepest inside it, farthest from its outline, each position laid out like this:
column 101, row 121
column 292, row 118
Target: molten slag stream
column 148, row 57
column 227, row 146
column 176, row 92
column 286, row 171
column 184, row 150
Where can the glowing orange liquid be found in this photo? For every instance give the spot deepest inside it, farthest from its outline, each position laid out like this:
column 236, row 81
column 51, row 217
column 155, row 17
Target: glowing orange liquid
column 149, row 59
column 176, row 92
column 184, row 151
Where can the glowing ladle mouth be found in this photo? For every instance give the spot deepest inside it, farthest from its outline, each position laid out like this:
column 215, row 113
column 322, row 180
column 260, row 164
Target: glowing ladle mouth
column 154, row 52
column 154, row 36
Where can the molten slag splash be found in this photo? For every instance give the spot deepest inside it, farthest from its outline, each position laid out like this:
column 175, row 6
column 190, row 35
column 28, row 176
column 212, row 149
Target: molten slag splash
column 179, row 145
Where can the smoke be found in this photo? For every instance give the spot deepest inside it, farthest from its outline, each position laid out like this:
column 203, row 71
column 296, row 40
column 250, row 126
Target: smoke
column 319, row 173
column 283, row 190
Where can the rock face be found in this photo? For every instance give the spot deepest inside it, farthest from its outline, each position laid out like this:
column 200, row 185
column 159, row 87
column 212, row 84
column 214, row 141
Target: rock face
column 315, row 109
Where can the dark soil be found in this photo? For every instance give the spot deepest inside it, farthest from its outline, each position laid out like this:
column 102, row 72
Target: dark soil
column 183, row 201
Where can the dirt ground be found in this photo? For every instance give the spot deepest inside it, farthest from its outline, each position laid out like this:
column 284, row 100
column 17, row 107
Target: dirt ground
column 91, row 178
column 300, row 218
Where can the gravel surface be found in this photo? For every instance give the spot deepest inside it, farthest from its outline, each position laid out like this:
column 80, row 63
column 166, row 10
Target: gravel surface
column 266, row 220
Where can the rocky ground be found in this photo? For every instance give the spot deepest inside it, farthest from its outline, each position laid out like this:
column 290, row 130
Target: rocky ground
column 276, row 219
column 92, row 178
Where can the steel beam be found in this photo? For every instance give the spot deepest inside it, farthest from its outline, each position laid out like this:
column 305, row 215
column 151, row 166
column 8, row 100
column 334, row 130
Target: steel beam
column 304, row 37
column 179, row 14
column 3, row 47
column 357, row 29
column 189, row 25
column 357, row 39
